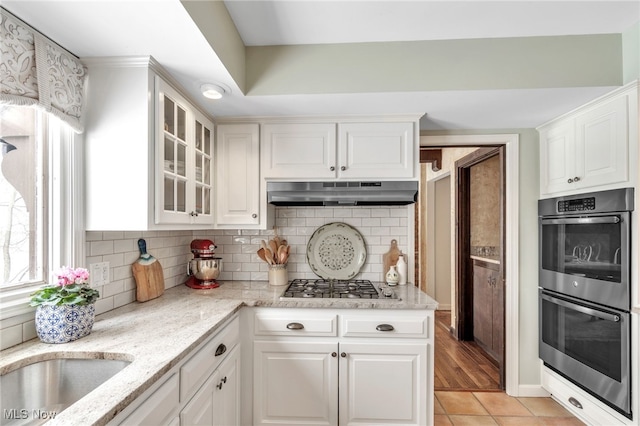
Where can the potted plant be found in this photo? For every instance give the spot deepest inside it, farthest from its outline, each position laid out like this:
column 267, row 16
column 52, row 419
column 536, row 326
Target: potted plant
column 65, row 310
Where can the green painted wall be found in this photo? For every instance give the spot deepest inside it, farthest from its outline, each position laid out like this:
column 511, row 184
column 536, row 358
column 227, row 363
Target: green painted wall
column 631, row 54
column 501, row 63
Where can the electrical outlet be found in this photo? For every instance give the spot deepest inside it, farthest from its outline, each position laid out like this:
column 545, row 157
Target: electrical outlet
column 99, row 273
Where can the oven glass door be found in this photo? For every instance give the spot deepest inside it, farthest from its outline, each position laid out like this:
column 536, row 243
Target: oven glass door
column 589, row 345
column 586, row 257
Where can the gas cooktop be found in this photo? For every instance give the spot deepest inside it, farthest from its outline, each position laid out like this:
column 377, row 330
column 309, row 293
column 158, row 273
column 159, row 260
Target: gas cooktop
column 336, row 289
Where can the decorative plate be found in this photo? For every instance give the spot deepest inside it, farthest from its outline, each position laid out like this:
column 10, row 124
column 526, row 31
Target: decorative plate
column 336, row 251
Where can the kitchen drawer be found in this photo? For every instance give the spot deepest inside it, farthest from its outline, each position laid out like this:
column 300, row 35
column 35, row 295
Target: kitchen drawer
column 396, row 325
column 295, row 323
column 200, row 366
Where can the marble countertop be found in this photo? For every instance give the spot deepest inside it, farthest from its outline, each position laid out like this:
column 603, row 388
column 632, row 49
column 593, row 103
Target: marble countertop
column 156, row 335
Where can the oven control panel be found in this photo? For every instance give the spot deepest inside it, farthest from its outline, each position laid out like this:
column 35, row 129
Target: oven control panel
column 577, row 205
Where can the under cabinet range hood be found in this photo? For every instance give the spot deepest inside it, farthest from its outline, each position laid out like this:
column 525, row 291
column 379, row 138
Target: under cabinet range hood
column 337, row 193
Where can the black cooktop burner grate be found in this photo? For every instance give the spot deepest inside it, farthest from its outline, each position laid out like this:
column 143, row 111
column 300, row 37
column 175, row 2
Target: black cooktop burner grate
column 331, row 289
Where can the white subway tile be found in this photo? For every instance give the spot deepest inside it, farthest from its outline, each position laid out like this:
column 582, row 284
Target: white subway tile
column 97, row 248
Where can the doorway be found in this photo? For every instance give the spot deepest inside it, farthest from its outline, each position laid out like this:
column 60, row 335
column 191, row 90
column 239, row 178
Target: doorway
column 479, row 283
column 457, row 144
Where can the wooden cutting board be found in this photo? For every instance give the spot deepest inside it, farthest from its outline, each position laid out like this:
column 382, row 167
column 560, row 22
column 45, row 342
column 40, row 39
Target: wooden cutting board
column 390, row 258
column 148, row 274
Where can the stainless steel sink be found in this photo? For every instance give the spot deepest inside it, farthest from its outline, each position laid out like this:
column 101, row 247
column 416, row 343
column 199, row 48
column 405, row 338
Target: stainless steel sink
column 34, row 393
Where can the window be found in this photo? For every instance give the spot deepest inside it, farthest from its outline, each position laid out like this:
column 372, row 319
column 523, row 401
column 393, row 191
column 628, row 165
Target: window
column 23, row 235
column 40, row 226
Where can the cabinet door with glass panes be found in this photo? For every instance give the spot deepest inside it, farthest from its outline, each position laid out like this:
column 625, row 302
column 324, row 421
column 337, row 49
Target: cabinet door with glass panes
column 184, row 154
column 203, row 168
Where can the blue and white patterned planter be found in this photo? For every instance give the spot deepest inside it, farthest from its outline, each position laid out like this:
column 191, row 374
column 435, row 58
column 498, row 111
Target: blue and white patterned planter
column 65, row 323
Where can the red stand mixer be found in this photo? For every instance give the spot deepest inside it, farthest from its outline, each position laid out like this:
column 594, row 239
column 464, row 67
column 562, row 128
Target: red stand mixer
column 204, row 268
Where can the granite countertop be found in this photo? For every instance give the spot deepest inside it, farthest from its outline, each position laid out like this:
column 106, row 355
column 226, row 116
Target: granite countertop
column 156, row 335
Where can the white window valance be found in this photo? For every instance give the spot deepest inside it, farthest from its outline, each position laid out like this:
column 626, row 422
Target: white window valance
column 36, row 71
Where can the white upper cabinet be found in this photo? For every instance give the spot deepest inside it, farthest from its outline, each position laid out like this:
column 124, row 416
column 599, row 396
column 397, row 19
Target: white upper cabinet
column 184, row 149
column 148, row 151
column 238, row 194
column 300, row 150
column 591, row 147
column 375, row 149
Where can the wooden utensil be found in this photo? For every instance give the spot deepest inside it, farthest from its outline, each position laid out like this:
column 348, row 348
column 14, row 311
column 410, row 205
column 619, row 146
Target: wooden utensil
column 390, row 258
column 261, row 254
column 273, row 246
column 148, row 274
column 282, row 255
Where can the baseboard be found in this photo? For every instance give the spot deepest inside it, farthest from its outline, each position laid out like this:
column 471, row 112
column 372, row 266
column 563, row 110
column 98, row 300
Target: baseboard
column 532, row 391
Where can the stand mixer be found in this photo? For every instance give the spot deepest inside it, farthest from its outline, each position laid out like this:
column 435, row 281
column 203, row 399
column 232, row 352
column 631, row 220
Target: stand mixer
column 204, row 268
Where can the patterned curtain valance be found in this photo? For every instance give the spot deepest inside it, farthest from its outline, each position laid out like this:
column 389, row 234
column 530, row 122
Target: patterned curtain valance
column 36, row 71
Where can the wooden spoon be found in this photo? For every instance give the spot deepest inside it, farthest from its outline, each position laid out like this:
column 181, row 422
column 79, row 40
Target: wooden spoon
column 261, row 254
column 273, row 246
column 282, row 255
column 268, row 256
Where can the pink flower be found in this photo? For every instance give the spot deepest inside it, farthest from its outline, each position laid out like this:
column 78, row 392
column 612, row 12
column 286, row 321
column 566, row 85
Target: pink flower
column 67, row 276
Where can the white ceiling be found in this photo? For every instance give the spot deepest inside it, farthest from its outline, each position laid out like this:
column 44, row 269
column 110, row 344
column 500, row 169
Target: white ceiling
column 163, row 29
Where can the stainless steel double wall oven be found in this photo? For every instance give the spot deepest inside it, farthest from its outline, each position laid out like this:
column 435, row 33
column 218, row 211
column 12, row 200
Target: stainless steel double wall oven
column 584, row 294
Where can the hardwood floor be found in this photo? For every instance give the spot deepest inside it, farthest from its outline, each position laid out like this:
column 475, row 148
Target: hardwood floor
column 461, row 365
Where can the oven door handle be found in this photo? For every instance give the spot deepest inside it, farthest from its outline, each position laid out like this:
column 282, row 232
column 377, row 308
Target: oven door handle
column 582, row 220
column 603, row 315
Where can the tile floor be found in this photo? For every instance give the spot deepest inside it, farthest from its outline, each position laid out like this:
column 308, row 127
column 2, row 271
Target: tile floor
column 497, row 408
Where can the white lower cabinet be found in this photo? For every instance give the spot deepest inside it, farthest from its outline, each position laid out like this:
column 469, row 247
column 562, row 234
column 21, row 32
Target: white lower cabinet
column 203, row 389
column 383, row 383
column 295, row 382
column 218, row 400
column 375, row 369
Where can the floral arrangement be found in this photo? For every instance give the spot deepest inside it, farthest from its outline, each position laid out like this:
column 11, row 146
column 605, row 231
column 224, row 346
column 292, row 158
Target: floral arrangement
column 71, row 288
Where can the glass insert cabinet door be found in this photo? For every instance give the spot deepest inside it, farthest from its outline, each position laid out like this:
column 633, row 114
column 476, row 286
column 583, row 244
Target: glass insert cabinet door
column 203, row 161
column 184, row 150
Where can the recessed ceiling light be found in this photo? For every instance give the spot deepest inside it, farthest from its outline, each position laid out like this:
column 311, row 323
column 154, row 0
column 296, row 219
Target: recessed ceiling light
column 212, row 91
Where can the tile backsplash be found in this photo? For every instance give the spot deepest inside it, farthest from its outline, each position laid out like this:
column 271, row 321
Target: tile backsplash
column 237, row 248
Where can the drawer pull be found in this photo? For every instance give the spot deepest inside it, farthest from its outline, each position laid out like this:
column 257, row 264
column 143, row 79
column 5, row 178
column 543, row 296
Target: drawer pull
column 575, row 402
column 221, row 349
column 295, row 326
column 384, row 327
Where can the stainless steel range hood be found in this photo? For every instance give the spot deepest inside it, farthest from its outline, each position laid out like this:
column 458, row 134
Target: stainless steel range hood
column 369, row 193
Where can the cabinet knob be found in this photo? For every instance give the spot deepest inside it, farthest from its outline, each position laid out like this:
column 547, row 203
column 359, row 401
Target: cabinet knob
column 384, row 327
column 254, row 215
column 224, row 379
column 343, row 355
column 569, row 180
column 333, row 169
column 219, row 385
column 295, row 326
column 576, row 179
column 192, row 213
column 334, row 354
column 343, row 168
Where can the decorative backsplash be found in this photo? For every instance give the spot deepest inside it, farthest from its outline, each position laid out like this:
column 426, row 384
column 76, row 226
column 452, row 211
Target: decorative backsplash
column 237, row 248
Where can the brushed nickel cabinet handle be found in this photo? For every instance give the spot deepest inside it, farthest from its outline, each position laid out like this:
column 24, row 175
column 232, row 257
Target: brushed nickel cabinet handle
column 343, row 355
column 254, row 215
column 334, row 354
column 343, row 168
column 384, row 327
column 332, row 168
column 295, row 326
